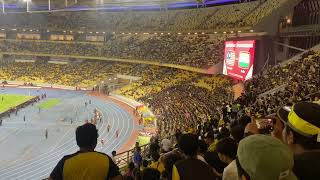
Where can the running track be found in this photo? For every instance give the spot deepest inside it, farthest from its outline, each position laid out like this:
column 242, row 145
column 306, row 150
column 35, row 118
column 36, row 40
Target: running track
column 40, row 165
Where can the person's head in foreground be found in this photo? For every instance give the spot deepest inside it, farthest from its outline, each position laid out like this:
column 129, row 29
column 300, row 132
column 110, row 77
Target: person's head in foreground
column 302, row 126
column 86, row 164
column 227, row 150
column 302, row 135
column 150, row 174
column 262, row 157
column 86, row 137
column 189, row 145
column 114, row 153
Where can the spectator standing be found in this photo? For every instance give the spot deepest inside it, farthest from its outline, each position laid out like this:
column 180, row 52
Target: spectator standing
column 264, row 157
column 227, row 152
column 129, row 174
column 156, row 164
column 86, row 164
column 302, row 135
column 191, row 168
column 114, row 153
column 137, row 158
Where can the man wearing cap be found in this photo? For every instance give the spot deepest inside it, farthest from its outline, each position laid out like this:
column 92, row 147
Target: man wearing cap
column 302, row 135
column 262, row 157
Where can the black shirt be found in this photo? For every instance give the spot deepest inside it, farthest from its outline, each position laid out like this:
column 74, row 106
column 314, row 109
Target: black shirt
column 307, row 165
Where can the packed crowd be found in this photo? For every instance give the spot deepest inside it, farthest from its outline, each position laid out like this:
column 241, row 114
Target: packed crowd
column 77, row 74
column 184, row 102
column 220, row 17
column 298, row 78
column 239, row 150
column 201, row 50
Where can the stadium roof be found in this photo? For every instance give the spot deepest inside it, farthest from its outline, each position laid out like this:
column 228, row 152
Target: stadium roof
column 42, row 5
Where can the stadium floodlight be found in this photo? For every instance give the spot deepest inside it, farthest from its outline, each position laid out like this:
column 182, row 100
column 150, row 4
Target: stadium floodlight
column 3, row 6
column 27, row 1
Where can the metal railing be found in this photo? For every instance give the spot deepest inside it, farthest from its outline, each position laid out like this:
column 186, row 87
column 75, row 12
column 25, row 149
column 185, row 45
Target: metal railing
column 122, row 159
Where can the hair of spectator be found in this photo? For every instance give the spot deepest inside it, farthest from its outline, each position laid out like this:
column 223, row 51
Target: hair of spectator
column 228, row 147
column 150, row 174
column 188, row 144
column 86, row 136
column 237, row 132
column 155, row 156
column 203, row 147
column 114, row 153
column 131, row 166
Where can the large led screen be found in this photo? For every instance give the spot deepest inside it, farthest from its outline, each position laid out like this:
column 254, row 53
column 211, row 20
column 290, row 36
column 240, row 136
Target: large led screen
column 239, row 59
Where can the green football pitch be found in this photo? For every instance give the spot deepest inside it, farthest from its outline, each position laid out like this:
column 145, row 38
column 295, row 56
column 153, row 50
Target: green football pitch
column 49, row 103
column 8, row 101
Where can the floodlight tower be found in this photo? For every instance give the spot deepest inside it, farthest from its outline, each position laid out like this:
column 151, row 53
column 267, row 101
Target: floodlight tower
column 3, row 6
column 27, row 1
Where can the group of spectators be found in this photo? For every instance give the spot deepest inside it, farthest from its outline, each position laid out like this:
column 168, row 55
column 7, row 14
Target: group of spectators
column 200, row 50
column 233, row 151
column 77, row 74
column 210, row 18
column 297, row 80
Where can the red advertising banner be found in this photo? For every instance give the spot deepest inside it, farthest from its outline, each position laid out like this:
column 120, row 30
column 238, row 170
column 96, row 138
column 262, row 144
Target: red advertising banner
column 239, row 59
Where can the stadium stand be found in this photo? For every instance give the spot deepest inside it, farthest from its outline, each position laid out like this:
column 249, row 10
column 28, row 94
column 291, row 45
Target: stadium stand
column 193, row 50
column 272, row 131
column 243, row 15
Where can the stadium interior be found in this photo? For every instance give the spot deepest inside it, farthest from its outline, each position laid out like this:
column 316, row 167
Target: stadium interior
column 180, row 89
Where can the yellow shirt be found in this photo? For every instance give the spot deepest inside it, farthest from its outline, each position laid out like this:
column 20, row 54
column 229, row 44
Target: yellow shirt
column 157, row 165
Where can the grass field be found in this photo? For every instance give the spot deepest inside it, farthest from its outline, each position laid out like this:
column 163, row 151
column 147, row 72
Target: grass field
column 143, row 140
column 49, row 103
column 12, row 100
